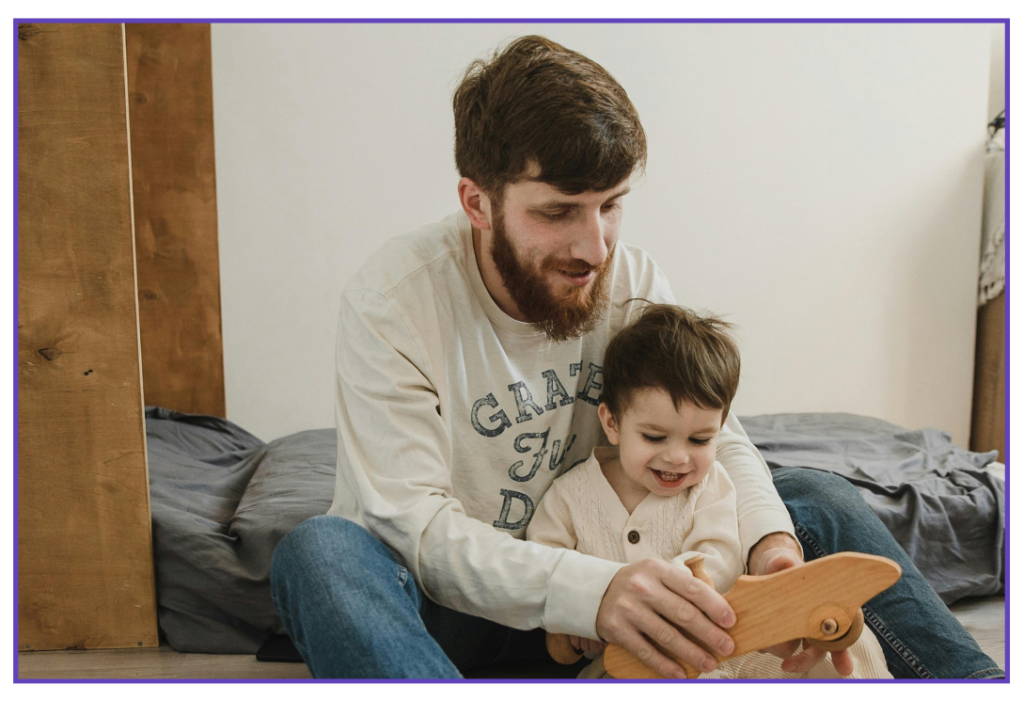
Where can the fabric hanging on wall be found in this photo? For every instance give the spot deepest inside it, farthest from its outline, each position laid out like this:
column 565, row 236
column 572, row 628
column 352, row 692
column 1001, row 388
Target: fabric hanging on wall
column 993, row 267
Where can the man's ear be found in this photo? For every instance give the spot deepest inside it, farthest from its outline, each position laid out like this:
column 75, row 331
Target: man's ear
column 608, row 423
column 475, row 204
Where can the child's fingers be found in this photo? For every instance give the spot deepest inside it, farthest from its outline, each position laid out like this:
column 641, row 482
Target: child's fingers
column 782, row 650
column 843, row 660
column 803, row 662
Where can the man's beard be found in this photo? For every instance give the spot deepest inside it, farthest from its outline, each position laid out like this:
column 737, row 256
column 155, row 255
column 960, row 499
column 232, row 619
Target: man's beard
column 568, row 317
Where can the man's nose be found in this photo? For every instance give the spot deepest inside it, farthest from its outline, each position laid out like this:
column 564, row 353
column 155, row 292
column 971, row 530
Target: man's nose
column 589, row 243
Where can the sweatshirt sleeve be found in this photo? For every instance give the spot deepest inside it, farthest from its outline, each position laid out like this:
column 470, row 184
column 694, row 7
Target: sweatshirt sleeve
column 715, row 533
column 759, row 508
column 394, row 474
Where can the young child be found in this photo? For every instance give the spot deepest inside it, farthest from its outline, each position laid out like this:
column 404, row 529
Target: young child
column 669, row 379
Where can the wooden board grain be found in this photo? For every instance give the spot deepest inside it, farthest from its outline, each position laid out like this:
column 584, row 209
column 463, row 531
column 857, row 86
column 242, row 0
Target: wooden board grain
column 85, row 564
column 988, row 414
column 170, row 88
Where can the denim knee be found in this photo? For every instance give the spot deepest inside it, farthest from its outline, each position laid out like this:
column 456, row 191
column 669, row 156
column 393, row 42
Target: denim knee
column 804, row 489
column 829, row 513
column 327, row 547
column 806, row 483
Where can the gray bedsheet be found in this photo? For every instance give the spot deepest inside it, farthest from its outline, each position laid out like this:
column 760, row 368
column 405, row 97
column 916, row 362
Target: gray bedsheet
column 222, row 499
column 946, row 512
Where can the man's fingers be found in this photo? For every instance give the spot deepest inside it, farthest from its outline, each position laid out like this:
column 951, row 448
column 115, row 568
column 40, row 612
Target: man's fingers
column 700, row 611
column 647, row 653
column 649, row 602
column 668, row 637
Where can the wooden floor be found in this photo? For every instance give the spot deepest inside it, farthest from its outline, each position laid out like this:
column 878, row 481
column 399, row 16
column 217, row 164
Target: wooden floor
column 983, row 618
column 151, row 663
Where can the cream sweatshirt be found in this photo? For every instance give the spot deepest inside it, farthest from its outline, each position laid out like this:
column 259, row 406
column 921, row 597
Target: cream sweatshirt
column 454, row 419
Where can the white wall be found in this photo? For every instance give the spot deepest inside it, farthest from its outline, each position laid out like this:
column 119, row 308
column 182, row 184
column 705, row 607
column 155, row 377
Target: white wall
column 818, row 184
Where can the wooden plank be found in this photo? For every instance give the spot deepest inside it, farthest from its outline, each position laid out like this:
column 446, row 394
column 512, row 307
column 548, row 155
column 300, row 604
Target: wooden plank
column 85, row 561
column 170, row 87
column 988, row 414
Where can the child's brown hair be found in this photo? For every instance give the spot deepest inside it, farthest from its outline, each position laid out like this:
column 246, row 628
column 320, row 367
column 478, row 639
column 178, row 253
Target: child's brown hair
column 692, row 357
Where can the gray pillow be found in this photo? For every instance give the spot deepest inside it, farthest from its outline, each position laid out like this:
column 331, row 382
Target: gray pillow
column 221, row 500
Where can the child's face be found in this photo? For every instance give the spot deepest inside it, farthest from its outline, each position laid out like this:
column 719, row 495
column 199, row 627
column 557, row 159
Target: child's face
column 661, row 449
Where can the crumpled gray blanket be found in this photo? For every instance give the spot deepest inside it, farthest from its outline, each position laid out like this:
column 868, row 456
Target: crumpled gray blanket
column 934, row 497
column 221, row 500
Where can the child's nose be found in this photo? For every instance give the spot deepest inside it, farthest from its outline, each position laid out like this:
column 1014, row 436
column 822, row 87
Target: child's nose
column 677, row 456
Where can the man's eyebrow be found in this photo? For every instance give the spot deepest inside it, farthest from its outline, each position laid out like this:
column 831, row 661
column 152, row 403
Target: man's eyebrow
column 549, row 204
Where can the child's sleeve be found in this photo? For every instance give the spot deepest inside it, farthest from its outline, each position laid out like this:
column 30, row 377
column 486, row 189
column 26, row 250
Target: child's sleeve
column 551, row 524
column 715, row 532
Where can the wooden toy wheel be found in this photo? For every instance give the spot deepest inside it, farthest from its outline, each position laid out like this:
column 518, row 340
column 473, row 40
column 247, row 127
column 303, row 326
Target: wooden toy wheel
column 856, row 627
column 560, row 649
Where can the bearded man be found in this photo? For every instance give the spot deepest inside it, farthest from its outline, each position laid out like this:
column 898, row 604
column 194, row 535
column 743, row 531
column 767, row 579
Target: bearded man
column 468, row 377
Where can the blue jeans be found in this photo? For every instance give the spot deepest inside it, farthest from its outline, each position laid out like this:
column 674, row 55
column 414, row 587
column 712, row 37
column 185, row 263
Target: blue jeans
column 354, row 612
column 920, row 637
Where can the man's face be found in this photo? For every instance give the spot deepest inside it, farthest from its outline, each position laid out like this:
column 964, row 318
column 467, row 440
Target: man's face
column 554, row 251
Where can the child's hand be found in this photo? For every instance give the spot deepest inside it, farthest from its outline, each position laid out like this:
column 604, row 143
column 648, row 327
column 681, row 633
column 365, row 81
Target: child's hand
column 586, row 644
column 775, row 559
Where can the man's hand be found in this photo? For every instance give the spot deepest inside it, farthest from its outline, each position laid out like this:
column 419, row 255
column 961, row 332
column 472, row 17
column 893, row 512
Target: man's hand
column 650, row 601
column 774, row 553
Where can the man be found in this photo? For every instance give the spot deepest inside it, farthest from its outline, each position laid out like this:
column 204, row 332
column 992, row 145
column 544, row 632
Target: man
column 468, row 377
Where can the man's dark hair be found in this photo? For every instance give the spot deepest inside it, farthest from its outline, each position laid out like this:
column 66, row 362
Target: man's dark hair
column 690, row 356
column 539, row 102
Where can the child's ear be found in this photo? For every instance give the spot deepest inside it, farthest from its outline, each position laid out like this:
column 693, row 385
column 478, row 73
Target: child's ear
column 608, row 423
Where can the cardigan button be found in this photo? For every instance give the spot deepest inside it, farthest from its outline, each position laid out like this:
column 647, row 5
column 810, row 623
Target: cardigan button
column 633, row 537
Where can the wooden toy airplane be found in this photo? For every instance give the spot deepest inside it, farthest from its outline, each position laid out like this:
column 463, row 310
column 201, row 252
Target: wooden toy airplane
column 820, row 600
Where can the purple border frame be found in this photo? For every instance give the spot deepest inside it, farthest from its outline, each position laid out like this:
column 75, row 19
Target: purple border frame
column 506, row 20
column 1006, row 349
column 522, row 20
column 14, row 295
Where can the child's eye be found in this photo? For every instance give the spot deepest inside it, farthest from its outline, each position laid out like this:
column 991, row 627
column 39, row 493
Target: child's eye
column 653, row 439
column 700, row 441
column 610, row 207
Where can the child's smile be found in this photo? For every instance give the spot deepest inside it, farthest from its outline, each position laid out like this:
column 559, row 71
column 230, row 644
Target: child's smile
column 662, row 449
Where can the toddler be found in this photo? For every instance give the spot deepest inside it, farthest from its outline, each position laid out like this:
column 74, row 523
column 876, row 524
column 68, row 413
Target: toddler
column 669, row 379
